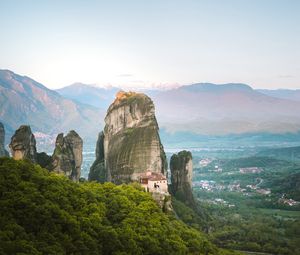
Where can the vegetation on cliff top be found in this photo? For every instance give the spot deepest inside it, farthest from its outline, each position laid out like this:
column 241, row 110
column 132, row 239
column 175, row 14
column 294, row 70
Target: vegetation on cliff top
column 129, row 98
column 45, row 213
column 177, row 159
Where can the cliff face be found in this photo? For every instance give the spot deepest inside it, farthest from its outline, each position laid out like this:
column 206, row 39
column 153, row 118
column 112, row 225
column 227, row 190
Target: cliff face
column 67, row 156
column 3, row 152
column 97, row 170
column 181, row 166
column 23, row 144
column 131, row 141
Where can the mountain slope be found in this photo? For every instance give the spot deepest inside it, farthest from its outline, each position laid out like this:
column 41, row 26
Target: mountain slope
column 225, row 109
column 282, row 93
column 44, row 213
column 289, row 153
column 210, row 109
column 87, row 94
column 25, row 101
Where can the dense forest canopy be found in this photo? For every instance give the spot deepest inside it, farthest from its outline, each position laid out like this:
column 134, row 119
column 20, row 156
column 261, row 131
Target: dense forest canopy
column 45, row 213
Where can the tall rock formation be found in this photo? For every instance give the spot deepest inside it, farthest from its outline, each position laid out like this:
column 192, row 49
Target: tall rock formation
column 67, row 156
column 3, row 152
column 181, row 166
column 23, row 144
column 131, row 140
column 97, row 170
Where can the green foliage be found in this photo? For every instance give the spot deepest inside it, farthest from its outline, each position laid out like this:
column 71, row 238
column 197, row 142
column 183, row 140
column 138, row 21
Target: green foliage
column 43, row 159
column 235, row 164
column 289, row 153
column 45, row 213
column 246, row 228
column 179, row 160
column 282, row 177
column 197, row 219
column 129, row 131
column 254, row 222
column 287, row 184
column 189, row 215
column 97, row 172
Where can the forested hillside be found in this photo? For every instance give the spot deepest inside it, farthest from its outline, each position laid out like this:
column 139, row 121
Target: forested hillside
column 44, row 213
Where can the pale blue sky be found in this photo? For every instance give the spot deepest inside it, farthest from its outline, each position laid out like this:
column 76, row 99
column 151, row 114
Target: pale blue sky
column 152, row 43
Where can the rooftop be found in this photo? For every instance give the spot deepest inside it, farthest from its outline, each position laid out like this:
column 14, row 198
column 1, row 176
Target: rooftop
column 153, row 176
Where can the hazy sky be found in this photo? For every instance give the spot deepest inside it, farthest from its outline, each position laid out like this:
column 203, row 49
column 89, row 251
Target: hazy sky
column 152, row 42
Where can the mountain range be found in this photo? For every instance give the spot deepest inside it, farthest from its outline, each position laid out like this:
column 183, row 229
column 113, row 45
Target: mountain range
column 89, row 94
column 25, row 101
column 200, row 109
column 210, row 109
column 282, row 93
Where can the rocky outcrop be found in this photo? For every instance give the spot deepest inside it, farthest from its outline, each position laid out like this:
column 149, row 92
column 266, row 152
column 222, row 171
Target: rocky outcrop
column 67, row 156
column 3, row 152
column 23, row 144
column 163, row 200
column 181, row 166
column 43, row 159
column 97, row 170
column 131, row 141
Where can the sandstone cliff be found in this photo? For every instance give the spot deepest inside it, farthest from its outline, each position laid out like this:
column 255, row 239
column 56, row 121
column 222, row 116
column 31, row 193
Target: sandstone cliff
column 67, row 156
column 131, row 141
column 3, row 152
column 23, row 144
column 97, row 170
column 181, row 166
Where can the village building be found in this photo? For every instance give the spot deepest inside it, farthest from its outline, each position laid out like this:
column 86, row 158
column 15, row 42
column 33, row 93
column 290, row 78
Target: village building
column 205, row 162
column 154, row 182
column 250, row 170
column 263, row 191
column 289, row 202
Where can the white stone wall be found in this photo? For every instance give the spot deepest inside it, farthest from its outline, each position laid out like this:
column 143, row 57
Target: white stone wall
column 163, row 186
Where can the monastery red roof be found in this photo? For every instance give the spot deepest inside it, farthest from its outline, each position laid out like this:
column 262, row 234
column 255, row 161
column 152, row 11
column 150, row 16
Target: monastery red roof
column 153, row 176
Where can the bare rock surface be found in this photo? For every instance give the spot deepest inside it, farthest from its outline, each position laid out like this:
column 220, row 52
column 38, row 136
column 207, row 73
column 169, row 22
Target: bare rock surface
column 181, row 166
column 3, row 151
column 97, row 170
column 131, row 141
column 23, row 144
column 67, row 156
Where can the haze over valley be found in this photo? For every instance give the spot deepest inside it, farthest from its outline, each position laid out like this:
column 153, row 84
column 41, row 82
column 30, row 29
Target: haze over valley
column 202, row 109
column 150, row 127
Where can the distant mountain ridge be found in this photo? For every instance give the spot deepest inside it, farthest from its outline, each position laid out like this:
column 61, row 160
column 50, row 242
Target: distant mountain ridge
column 210, row 109
column 25, row 101
column 211, row 87
column 225, row 109
column 88, row 94
column 282, row 93
column 201, row 109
